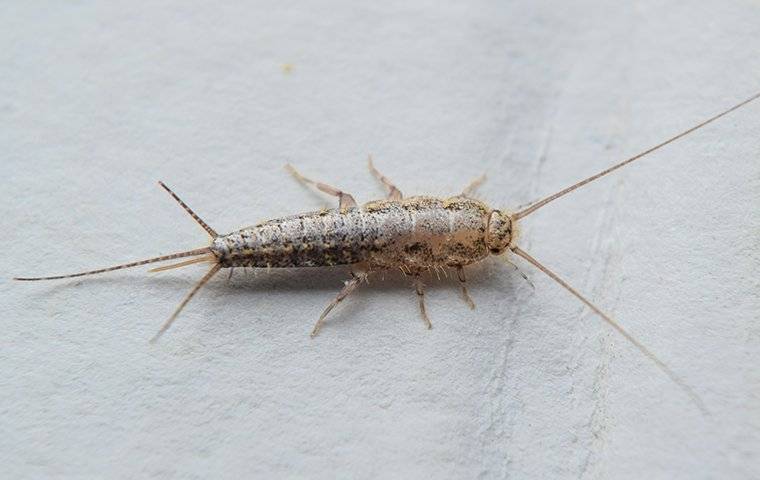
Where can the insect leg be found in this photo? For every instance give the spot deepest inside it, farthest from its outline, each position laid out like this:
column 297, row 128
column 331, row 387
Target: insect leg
column 393, row 192
column 420, row 288
column 470, row 189
column 465, row 293
column 345, row 200
column 350, row 286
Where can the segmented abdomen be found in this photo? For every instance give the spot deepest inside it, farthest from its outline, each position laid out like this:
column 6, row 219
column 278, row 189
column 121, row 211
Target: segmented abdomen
column 417, row 232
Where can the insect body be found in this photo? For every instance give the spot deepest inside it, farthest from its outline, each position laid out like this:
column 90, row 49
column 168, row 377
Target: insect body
column 414, row 234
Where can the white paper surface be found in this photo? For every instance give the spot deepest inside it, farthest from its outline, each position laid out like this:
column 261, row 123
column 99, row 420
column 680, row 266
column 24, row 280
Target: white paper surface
column 99, row 101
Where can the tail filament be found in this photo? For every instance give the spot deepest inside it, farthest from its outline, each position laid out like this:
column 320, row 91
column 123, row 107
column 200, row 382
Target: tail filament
column 187, row 299
column 189, row 253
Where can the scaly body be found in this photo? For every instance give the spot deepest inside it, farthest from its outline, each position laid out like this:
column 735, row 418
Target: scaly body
column 412, row 234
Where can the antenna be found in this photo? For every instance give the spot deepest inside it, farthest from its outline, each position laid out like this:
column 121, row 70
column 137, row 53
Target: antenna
column 536, row 205
column 647, row 353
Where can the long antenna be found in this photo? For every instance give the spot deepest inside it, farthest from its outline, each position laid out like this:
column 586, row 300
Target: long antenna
column 535, row 206
column 648, row 353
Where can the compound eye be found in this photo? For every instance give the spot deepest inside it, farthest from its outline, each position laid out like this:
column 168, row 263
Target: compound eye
column 499, row 232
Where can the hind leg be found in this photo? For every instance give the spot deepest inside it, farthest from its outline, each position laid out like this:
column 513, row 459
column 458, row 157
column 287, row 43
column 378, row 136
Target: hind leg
column 345, row 200
column 349, row 287
column 393, row 192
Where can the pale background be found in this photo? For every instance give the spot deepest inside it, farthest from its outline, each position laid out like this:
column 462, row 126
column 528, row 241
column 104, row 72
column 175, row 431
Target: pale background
column 98, row 101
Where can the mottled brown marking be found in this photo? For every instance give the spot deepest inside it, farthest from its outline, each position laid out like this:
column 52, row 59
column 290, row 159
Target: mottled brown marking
column 416, row 232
